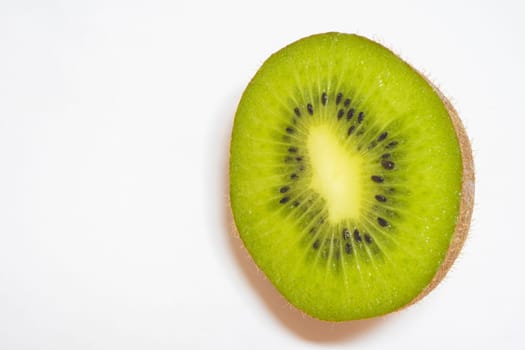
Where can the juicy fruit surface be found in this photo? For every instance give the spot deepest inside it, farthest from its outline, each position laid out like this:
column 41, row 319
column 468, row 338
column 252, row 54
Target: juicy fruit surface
column 345, row 176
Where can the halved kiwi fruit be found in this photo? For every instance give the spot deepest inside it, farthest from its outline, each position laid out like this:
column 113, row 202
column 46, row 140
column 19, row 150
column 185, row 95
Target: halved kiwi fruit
column 351, row 177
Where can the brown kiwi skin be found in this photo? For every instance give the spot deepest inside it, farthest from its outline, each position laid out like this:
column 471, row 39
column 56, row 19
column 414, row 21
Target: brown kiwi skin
column 465, row 210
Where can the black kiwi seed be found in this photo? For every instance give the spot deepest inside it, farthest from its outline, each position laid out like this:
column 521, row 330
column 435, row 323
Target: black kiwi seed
column 310, row 109
column 292, row 150
column 340, row 114
column 391, row 144
column 386, row 156
column 295, row 204
column 377, row 179
column 382, row 136
column 297, row 111
column 382, row 222
column 368, row 239
column 380, row 198
column 372, row 144
column 387, row 164
column 290, row 130
column 284, row 189
column 351, row 130
column 294, row 177
column 347, row 102
column 316, row 244
column 357, row 235
column 346, row 234
column 338, row 98
column 350, row 114
column 299, row 159
column 360, row 117
column 284, row 200
column 324, row 98
column 348, row 248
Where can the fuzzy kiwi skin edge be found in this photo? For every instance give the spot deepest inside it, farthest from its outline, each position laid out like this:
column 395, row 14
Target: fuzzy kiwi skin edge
column 463, row 221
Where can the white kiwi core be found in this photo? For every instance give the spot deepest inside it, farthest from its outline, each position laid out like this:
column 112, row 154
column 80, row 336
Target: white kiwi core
column 336, row 173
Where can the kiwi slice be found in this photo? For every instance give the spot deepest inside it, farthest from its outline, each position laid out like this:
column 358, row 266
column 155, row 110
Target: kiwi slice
column 351, row 177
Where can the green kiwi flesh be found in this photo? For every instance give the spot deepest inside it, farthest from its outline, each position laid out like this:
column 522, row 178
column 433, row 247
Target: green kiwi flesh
column 346, row 178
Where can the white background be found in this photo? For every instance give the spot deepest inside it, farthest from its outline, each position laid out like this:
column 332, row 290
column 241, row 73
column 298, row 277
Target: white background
column 114, row 128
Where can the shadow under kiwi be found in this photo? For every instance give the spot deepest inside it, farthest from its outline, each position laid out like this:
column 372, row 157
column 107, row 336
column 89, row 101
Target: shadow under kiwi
column 295, row 320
